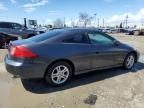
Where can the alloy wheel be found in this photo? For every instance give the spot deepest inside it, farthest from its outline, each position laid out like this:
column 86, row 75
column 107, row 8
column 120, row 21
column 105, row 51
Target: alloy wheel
column 60, row 74
column 130, row 61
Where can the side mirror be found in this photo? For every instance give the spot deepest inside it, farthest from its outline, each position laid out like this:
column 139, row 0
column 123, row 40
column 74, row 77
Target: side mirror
column 116, row 43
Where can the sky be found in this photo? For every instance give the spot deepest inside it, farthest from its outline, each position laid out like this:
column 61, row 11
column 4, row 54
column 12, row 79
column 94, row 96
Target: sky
column 46, row 11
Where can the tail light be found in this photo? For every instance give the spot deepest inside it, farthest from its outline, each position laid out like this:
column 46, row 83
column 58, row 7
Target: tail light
column 21, row 52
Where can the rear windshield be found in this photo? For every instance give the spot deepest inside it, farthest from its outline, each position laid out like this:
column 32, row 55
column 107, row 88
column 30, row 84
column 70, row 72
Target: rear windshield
column 45, row 36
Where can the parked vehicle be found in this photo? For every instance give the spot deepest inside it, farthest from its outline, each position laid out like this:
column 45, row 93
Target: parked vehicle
column 130, row 32
column 122, row 30
column 106, row 30
column 139, row 32
column 59, row 54
column 5, row 39
column 16, row 29
column 41, row 31
column 113, row 31
column 99, row 29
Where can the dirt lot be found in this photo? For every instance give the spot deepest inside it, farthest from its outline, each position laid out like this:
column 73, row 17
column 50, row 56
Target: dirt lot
column 114, row 88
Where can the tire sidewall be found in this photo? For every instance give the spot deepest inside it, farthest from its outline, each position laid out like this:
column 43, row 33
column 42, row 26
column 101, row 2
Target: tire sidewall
column 50, row 70
column 125, row 65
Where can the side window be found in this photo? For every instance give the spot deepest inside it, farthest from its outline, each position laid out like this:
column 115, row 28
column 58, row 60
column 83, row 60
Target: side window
column 76, row 38
column 97, row 38
column 5, row 25
column 16, row 26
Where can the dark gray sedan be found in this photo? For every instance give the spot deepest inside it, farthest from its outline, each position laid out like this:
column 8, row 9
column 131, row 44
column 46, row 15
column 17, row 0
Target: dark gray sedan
column 59, row 54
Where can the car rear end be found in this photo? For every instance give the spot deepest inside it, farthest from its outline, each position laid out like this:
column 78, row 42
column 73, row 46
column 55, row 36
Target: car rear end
column 29, row 58
column 23, row 62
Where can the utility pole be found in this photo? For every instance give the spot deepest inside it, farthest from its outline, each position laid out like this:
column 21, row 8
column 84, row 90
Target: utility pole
column 64, row 25
column 126, row 21
column 98, row 22
column 103, row 22
column 72, row 24
column 25, row 22
column 43, row 22
column 95, row 19
column 123, row 23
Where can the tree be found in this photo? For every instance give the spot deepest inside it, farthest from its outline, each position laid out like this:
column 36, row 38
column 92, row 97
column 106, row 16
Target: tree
column 135, row 26
column 85, row 19
column 117, row 26
column 121, row 26
column 58, row 23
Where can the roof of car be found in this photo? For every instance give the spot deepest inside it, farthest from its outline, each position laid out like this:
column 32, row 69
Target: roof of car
column 8, row 22
column 77, row 29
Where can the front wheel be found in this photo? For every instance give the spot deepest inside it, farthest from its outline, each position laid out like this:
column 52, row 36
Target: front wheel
column 58, row 74
column 129, row 61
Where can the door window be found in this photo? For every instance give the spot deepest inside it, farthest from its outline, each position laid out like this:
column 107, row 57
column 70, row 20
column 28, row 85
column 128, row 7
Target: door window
column 76, row 38
column 16, row 26
column 97, row 38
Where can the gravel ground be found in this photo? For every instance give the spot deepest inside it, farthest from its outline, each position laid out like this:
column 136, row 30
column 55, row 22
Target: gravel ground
column 114, row 88
column 2, row 54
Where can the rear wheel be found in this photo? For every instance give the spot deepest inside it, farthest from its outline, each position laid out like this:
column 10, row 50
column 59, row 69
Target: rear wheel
column 129, row 61
column 58, row 73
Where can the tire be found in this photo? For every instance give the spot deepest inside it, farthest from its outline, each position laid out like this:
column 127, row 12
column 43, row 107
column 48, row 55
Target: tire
column 54, row 75
column 129, row 61
column 31, row 35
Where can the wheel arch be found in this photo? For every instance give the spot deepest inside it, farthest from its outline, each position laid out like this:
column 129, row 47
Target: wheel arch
column 135, row 53
column 62, row 60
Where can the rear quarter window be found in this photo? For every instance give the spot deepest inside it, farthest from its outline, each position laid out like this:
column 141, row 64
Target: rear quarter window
column 45, row 36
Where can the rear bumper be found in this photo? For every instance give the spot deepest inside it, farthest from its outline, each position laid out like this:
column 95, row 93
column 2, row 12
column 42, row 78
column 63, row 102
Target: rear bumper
column 23, row 70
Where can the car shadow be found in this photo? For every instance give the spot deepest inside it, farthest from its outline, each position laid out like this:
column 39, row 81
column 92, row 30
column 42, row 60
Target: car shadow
column 40, row 86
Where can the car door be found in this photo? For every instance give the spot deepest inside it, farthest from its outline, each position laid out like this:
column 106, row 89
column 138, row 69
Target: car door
column 6, row 28
column 104, row 52
column 17, row 29
column 80, row 51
